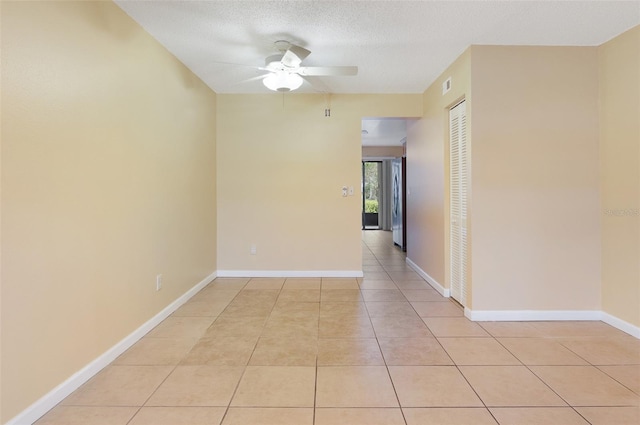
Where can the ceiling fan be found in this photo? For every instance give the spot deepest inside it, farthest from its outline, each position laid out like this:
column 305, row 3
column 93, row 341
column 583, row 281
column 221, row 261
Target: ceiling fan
column 287, row 74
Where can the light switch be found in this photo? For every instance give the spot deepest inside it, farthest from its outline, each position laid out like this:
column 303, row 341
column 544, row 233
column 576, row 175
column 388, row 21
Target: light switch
column 350, row 190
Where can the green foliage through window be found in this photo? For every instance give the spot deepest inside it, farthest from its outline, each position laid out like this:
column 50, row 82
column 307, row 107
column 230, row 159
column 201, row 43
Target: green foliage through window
column 371, row 180
column 371, row 205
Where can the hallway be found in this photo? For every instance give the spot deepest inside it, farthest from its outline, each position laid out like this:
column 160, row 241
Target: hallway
column 383, row 350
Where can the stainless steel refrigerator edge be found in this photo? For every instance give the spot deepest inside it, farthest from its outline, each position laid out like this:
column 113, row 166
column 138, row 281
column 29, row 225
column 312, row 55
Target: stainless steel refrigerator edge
column 396, row 201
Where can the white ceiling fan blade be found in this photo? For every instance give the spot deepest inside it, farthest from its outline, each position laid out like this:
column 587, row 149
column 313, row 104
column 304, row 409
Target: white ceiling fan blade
column 256, row 78
column 294, row 56
column 249, row 80
column 329, row 71
column 260, row 68
column 317, row 84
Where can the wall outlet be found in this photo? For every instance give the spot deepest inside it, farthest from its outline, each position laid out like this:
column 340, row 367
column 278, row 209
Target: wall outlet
column 254, row 249
column 158, row 282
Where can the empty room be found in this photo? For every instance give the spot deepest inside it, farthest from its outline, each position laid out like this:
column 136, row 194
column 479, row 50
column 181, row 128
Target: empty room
column 320, row 212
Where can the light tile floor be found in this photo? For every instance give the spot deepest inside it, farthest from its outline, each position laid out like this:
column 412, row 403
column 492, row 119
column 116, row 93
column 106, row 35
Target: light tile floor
column 383, row 350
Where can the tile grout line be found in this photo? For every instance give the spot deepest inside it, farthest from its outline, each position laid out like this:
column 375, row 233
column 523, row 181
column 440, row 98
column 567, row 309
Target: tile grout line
column 315, row 385
column 235, row 390
column 154, row 391
column 384, row 358
column 395, row 392
column 618, row 381
column 450, row 358
column 568, row 365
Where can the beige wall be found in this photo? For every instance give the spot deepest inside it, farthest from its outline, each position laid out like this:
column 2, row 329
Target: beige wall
column 532, row 116
column 383, row 151
column 108, row 171
column 619, row 74
column 427, row 171
column 108, row 178
column 535, row 205
column 281, row 168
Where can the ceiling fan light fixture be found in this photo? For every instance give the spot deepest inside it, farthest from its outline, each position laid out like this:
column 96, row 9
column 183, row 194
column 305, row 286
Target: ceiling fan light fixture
column 282, row 81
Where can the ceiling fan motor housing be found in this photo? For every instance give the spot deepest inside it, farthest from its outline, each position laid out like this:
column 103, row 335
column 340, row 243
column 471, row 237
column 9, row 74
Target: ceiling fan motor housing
column 274, row 63
column 282, row 78
column 282, row 81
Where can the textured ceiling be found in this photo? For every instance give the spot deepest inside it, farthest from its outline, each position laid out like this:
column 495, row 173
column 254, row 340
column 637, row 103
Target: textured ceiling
column 398, row 46
column 383, row 132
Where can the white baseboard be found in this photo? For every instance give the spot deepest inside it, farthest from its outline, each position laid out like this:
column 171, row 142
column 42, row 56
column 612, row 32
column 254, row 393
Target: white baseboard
column 550, row 315
column 621, row 324
column 290, row 273
column 431, row 281
column 530, row 315
column 56, row 395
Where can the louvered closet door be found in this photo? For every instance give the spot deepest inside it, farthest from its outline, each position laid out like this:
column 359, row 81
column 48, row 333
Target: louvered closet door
column 458, row 199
